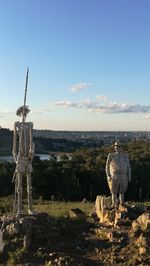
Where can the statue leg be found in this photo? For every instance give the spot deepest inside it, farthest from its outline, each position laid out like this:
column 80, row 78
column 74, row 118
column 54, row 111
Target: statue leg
column 121, row 199
column 114, row 200
column 29, row 192
column 122, row 189
column 114, row 191
column 19, row 192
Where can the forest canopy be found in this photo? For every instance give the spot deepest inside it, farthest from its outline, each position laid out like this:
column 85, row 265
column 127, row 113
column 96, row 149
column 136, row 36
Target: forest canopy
column 82, row 176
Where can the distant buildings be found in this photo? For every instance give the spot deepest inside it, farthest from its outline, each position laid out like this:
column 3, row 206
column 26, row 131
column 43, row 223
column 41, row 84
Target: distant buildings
column 103, row 137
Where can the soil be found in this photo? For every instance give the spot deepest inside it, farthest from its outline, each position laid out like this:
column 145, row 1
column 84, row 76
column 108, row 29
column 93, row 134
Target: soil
column 75, row 242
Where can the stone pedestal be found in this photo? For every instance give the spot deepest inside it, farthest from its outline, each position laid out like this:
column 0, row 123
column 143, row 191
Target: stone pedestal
column 103, row 209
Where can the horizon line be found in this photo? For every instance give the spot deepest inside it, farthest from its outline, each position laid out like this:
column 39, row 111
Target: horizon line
column 64, row 130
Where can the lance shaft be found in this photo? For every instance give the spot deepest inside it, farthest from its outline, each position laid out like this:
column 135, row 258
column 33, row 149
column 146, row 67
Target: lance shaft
column 25, row 95
column 24, row 115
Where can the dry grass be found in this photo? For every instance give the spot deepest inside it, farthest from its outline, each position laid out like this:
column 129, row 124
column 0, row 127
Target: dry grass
column 56, row 209
column 53, row 208
column 60, row 209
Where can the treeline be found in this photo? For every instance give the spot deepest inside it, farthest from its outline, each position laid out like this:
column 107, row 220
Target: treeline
column 84, row 175
column 6, row 139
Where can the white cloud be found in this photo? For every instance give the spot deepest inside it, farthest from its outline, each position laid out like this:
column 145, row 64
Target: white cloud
column 101, row 97
column 80, row 86
column 146, row 116
column 83, row 104
column 65, row 104
column 6, row 112
column 108, row 108
column 41, row 111
column 121, row 108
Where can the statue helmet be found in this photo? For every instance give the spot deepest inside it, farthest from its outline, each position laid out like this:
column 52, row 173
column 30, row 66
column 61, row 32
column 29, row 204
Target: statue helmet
column 22, row 111
column 117, row 144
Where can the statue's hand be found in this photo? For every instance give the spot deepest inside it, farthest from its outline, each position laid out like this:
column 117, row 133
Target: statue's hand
column 31, row 154
column 15, row 157
column 109, row 178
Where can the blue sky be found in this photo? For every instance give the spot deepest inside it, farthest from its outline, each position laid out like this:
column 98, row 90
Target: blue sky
column 89, row 63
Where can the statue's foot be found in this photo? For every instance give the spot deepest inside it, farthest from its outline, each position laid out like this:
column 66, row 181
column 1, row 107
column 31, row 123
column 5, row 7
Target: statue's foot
column 31, row 212
column 123, row 204
column 18, row 213
column 114, row 206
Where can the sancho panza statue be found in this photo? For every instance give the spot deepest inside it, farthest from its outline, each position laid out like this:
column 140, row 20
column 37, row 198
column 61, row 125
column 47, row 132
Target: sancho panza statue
column 23, row 155
column 118, row 172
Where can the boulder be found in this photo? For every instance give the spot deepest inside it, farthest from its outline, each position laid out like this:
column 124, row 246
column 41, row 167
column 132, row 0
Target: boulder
column 103, row 203
column 28, row 229
column 76, row 214
column 142, row 222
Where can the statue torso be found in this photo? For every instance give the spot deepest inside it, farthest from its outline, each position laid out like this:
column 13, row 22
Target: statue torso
column 24, row 131
column 118, row 163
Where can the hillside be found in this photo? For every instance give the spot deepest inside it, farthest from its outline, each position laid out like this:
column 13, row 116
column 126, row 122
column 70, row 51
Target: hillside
column 6, row 141
column 44, row 144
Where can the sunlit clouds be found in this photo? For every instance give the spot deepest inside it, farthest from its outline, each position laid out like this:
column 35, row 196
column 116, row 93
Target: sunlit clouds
column 107, row 108
column 101, row 97
column 6, row 112
column 80, row 86
column 146, row 117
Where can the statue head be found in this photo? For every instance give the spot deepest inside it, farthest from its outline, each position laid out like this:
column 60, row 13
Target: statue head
column 117, row 146
column 23, row 111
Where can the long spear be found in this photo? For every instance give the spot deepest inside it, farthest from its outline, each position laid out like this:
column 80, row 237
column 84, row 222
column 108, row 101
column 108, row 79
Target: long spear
column 25, row 94
column 24, row 114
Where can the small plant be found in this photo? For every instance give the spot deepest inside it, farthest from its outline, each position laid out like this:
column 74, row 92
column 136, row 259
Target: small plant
column 16, row 257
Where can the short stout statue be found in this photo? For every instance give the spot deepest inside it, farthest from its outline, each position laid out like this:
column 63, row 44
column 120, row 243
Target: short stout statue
column 118, row 172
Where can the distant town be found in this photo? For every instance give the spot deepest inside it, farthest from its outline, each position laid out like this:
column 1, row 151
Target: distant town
column 107, row 137
column 49, row 141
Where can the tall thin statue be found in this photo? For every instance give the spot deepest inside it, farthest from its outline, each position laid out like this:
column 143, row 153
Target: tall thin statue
column 23, row 155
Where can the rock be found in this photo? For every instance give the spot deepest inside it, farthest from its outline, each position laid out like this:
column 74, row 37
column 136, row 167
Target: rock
column 26, row 241
column 76, row 214
column 121, row 217
column 109, row 234
column 121, row 222
column 102, row 203
column 93, row 215
column 12, row 229
column 142, row 222
column 143, row 243
column 1, row 241
column 104, row 211
column 28, row 229
column 104, row 234
column 50, row 263
column 107, row 216
column 142, row 250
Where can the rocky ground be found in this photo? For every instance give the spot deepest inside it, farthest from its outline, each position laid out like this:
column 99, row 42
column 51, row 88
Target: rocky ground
column 77, row 240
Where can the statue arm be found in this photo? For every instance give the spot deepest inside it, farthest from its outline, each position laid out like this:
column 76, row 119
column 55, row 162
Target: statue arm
column 14, row 151
column 107, row 169
column 129, row 169
column 31, row 149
